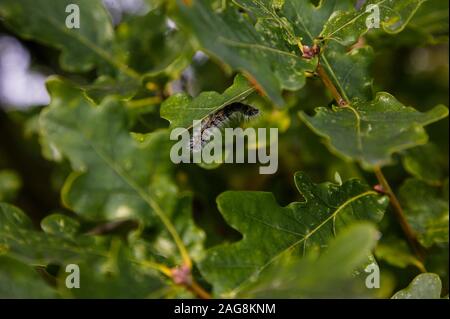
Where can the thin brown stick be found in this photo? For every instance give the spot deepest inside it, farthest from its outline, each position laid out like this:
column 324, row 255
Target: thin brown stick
column 195, row 288
column 330, row 86
column 400, row 215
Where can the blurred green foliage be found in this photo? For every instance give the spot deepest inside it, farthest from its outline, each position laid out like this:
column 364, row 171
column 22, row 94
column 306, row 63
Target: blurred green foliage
column 88, row 179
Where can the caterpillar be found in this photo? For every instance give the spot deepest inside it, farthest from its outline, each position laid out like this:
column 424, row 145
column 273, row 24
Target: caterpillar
column 218, row 120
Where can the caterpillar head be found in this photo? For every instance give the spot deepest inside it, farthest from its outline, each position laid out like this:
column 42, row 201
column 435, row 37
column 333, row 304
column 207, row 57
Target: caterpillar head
column 250, row 112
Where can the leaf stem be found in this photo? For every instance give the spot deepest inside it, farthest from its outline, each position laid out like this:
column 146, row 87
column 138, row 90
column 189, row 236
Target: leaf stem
column 400, row 215
column 195, row 288
column 173, row 232
column 190, row 285
column 330, row 86
column 153, row 100
column 152, row 203
column 157, row 266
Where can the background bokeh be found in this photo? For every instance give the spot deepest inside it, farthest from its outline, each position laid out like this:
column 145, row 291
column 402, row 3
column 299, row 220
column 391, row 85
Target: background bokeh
column 414, row 70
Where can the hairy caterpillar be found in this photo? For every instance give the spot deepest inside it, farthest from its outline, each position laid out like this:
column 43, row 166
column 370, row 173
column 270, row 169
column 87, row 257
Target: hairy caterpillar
column 219, row 120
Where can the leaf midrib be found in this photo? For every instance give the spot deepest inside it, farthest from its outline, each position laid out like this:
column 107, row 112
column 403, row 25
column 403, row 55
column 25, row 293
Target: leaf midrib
column 353, row 20
column 90, row 45
column 141, row 192
column 234, row 98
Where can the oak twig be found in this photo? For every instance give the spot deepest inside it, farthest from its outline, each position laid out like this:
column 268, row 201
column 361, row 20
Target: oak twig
column 400, row 215
column 330, row 86
column 198, row 290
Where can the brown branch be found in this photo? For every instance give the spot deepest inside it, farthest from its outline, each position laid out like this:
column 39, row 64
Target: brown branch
column 400, row 215
column 197, row 290
column 330, row 86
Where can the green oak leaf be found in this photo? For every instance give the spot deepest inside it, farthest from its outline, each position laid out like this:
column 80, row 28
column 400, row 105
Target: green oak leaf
column 347, row 69
column 425, row 163
column 326, row 276
column 181, row 110
column 18, row 280
column 60, row 225
column 298, row 23
column 397, row 253
column 106, row 265
column 346, row 27
column 152, row 47
column 114, row 171
column 19, row 239
column 350, row 70
column 269, row 230
column 370, row 132
column 117, row 175
column 424, row 286
column 426, row 211
column 162, row 247
column 105, row 85
column 82, row 48
column 428, row 26
column 431, row 22
column 258, row 49
column 302, row 20
column 113, row 275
